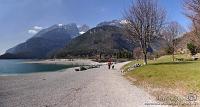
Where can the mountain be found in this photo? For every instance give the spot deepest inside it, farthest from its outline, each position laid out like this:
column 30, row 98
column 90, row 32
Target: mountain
column 45, row 42
column 71, row 29
column 84, row 28
column 60, row 40
column 9, row 56
column 117, row 23
column 104, row 39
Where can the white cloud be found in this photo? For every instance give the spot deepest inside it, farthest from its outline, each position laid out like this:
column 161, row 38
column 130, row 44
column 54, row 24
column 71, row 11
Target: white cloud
column 38, row 28
column 32, row 31
column 35, row 30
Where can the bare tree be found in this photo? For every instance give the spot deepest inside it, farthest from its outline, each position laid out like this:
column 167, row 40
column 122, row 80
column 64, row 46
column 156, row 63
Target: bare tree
column 193, row 12
column 170, row 33
column 144, row 22
column 137, row 53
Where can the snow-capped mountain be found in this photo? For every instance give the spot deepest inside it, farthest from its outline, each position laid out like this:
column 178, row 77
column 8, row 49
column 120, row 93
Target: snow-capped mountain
column 84, row 28
column 71, row 29
column 118, row 23
column 46, row 41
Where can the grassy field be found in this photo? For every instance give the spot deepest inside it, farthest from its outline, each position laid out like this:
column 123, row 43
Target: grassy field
column 164, row 73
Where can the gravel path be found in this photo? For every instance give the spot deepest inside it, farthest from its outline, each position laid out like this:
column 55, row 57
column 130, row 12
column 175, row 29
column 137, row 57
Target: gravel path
column 97, row 87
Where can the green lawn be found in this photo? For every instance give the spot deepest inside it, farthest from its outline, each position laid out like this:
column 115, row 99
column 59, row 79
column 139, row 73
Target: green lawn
column 164, row 73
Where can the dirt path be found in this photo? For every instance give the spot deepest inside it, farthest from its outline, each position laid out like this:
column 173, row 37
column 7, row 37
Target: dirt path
column 97, row 87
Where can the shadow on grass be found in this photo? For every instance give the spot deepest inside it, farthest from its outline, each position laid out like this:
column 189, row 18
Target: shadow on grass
column 172, row 63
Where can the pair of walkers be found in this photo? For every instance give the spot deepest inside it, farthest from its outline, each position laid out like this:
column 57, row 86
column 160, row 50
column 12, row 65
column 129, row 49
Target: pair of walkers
column 110, row 64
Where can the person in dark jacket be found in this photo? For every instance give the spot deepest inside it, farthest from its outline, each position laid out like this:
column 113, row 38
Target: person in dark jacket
column 109, row 63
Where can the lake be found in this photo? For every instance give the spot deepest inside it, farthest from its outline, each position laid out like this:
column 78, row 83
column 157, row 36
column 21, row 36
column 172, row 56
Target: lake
column 19, row 67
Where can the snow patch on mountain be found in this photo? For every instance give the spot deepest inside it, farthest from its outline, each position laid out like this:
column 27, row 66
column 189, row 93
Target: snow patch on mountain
column 81, row 32
column 84, row 28
column 117, row 23
column 60, row 25
column 123, row 22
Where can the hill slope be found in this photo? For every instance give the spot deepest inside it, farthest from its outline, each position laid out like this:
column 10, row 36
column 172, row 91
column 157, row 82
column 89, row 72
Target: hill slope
column 45, row 42
column 107, row 40
column 104, row 39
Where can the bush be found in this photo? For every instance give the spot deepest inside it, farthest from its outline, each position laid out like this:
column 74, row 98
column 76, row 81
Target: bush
column 169, row 49
column 192, row 48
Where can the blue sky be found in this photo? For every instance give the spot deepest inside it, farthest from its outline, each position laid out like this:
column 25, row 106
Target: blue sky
column 19, row 19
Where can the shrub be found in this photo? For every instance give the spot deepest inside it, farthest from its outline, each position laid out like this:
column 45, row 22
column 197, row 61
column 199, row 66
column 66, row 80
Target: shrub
column 192, row 48
column 169, row 49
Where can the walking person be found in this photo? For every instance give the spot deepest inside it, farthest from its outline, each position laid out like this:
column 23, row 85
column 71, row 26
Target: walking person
column 109, row 63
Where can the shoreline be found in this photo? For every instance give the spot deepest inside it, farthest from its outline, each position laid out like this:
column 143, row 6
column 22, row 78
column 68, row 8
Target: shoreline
column 65, row 62
column 37, row 73
column 76, row 63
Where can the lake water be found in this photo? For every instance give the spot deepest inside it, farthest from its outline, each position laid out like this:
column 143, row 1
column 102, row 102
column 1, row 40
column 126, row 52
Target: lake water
column 19, row 67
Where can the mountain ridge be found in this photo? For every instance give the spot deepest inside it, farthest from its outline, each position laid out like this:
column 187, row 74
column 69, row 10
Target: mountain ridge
column 106, row 39
column 46, row 41
column 60, row 40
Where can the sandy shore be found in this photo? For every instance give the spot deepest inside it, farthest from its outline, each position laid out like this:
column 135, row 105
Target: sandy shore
column 66, row 61
column 98, row 87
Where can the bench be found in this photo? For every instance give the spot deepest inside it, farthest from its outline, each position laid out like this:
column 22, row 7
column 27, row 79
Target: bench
column 179, row 59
